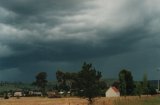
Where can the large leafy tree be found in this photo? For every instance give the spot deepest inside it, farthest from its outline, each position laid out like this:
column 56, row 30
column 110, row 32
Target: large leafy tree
column 122, row 84
column 145, row 84
column 89, row 79
column 139, row 89
column 147, row 87
column 66, row 81
column 41, row 81
column 61, row 80
column 126, row 82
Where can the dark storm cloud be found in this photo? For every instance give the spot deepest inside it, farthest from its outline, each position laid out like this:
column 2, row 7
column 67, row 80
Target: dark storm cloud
column 39, row 10
column 38, row 34
column 30, row 7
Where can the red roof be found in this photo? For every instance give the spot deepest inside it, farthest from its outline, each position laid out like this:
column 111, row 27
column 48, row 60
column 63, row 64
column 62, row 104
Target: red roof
column 115, row 89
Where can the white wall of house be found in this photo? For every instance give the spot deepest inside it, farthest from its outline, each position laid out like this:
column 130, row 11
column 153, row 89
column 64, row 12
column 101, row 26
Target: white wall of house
column 111, row 93
column 18, row 94
column 38, row 93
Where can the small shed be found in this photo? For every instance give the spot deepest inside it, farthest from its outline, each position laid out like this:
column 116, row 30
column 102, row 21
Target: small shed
column 18, row 94
column 112, row 92
column 35, row 93
column 53, row 94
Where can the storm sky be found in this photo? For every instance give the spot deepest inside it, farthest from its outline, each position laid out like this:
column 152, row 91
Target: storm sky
column 47, row 35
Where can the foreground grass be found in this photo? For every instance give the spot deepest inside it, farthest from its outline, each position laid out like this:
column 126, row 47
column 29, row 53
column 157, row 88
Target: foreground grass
column 138, row 101
column 43, row 101
column 149, row 100
column 153, row 101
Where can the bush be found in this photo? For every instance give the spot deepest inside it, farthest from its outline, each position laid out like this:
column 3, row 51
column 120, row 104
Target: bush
column 6, row 96
column 18, row 97
column 152, row 91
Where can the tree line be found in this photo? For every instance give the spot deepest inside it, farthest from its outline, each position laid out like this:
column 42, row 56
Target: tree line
column 88, row 83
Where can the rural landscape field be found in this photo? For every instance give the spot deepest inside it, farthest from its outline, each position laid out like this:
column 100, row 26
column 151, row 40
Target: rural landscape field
column 79, row 52
column 147, row 100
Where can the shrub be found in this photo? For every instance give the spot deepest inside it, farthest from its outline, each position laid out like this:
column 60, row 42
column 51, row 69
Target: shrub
column 6, row 96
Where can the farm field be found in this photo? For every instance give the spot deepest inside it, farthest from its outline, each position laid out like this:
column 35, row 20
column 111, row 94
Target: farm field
column 150, row 100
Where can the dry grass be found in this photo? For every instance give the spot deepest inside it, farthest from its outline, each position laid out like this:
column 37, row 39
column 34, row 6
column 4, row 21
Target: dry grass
column 139, row 101
column 43, row 101
column 79, row 101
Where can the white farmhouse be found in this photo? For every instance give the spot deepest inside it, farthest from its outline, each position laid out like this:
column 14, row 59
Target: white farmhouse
column 112, row 92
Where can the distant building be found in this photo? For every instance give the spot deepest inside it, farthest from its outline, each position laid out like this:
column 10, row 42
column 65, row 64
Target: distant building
column 9, row 94
column 53, row 94
column 112, row 92
column 35, row 93
column 18, row 94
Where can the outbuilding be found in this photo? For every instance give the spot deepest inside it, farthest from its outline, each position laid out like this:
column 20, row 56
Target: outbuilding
column 18, row 94
column 112, row 92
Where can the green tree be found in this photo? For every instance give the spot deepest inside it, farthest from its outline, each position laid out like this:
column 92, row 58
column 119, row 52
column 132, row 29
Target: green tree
column 145, row 84
column 89, row 79
column 151, row 90
column 41, row 81
column 139, row 89
column 122, row 84
column 66, row 81
column 103, row 87
column 126, row 82
column 61, row 80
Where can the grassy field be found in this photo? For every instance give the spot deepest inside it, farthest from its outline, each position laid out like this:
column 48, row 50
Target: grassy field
column 150, row 100
column 78, row 101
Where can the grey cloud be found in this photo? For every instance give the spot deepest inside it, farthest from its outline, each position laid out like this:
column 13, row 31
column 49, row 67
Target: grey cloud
column 5, row 51
column 10, row 74
column 66, row 33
